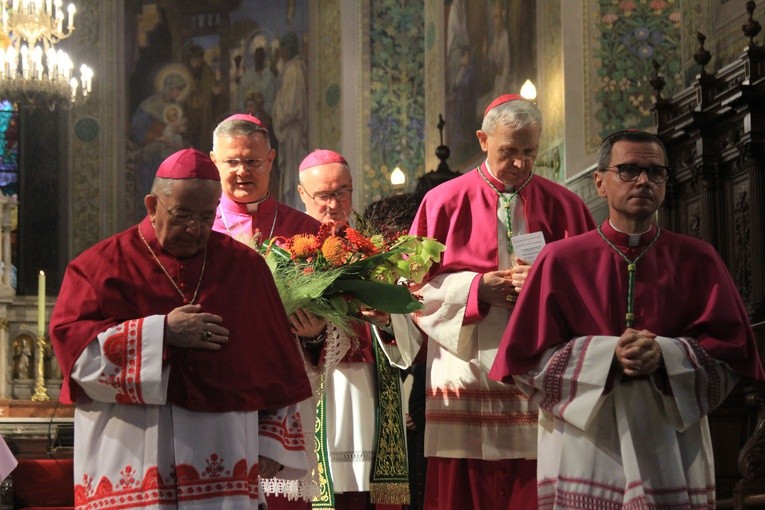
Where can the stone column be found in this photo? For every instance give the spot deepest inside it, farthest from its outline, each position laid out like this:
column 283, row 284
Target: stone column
column 5, row 368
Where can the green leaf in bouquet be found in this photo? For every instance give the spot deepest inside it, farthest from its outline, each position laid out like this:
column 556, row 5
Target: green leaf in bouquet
column 384, row 297
column 430, row 248
column 298, row 286
column 339, row 303
column 276, row 254
column 364, row 267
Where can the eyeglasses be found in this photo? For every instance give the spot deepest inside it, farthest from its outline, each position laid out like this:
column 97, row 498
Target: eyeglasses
column 323, row 198
column 185, row 219
column 258, row 165
column 629, row 172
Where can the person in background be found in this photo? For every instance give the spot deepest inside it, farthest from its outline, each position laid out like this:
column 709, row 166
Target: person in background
column 480, row 435
column 357, row 386
column 628, row 337
column 255, row 107
column 248, row 212
column 184, row 372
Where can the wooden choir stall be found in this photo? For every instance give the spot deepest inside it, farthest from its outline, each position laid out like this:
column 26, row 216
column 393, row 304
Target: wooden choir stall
column 714, row 132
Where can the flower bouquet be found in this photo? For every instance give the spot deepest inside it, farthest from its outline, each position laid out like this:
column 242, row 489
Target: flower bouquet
column 337, row 275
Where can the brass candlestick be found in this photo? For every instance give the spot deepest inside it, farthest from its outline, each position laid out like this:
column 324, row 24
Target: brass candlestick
column 40, row 394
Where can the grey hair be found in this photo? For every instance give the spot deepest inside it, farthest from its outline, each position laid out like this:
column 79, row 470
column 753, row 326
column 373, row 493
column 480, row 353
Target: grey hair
column 628, row 135
column 517, row 113
column 235, row 128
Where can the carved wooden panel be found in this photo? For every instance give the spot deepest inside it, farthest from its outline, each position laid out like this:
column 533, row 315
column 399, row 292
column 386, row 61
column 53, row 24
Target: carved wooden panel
column 739, row 252
column 714, row 132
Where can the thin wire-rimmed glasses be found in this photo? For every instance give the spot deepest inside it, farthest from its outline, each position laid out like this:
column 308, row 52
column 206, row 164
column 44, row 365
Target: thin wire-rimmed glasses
column 323, row 197
column 629, row 172
column 256, row 165
column 185, row 219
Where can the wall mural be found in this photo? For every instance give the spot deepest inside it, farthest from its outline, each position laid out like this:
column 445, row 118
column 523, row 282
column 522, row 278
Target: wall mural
column 397, row 102
column 490, row 50
column 622, row 39
column 194, row 62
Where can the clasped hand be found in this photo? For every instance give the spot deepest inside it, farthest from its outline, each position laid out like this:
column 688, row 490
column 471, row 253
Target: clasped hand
column 501, row 288
column 638, row 352
column 190, row 328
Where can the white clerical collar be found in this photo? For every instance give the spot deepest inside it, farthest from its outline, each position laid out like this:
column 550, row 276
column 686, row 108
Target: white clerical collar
column 634, row 239
column 497, row 178
column 253, row 206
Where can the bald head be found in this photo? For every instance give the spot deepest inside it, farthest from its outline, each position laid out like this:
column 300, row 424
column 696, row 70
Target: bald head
column 326, row 191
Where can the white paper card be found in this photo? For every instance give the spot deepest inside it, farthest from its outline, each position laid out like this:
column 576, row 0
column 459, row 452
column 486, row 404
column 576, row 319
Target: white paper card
column 528, row 246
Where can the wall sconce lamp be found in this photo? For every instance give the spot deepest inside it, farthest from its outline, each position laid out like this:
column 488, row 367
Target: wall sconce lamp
column 398, row 180
column 529, row 91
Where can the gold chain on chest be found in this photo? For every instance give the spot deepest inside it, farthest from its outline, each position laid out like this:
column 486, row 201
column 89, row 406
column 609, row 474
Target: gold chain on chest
column 162, row 267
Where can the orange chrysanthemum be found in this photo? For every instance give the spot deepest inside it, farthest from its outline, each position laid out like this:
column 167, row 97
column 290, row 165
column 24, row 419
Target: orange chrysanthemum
column 303, row 246
column 335, row 250
column 359, row 242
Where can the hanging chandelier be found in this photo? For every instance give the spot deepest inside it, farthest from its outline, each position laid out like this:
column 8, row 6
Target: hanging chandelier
column 32, row 70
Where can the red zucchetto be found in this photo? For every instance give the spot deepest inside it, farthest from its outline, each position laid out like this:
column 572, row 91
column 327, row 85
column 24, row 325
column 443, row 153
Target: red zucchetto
column 247, row 117
column 188, row 164
column 504, row 98
column 321, row 157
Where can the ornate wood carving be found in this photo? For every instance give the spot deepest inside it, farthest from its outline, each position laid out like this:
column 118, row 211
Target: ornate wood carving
column 694, row 221
column 742, row 245
column 715, row 140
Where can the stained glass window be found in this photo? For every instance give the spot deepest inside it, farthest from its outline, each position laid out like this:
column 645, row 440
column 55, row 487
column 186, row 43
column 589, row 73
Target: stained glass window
column 9, row 148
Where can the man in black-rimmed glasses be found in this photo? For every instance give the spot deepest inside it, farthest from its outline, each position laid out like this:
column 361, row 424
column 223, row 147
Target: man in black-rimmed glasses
column 632, row 175
column 627, row 337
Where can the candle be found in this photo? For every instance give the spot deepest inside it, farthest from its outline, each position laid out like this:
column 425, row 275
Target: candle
column 41, row 303
column 10, row 56
column 70, row 24
column 37, row 62
column 73, row 85
column 25, row 61
column 52, row 72
column 60, row 64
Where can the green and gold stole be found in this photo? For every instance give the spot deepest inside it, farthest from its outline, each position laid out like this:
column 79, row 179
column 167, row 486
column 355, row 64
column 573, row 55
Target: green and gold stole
column 389, row 480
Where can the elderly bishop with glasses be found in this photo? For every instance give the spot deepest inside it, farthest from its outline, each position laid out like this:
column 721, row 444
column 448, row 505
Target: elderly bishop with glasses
column 627, row 337
column 179, row 356
column 363, row 449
